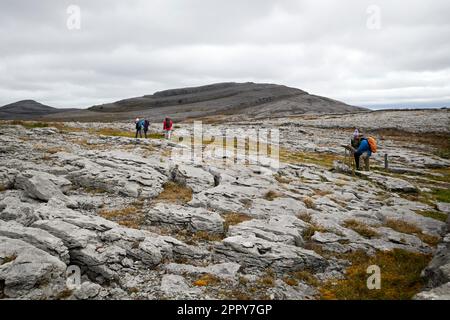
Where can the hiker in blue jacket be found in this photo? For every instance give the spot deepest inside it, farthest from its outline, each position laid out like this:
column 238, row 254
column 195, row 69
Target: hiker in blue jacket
column 363, row 148
column 139, row 127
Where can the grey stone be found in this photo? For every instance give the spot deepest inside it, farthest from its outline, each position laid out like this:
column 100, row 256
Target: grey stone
column 28, row 271
column 252, row 252
column 36, row 237
column 193, row 219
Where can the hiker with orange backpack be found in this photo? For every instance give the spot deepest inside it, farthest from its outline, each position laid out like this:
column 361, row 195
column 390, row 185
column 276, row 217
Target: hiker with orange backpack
column 366, row 147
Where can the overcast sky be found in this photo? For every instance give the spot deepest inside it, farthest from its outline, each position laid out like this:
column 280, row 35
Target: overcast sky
column 367, row 53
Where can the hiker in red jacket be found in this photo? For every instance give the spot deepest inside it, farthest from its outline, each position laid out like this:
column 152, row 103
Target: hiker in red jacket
column 167, row 127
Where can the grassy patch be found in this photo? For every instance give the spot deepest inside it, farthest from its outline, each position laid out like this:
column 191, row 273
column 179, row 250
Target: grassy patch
column 309, row 203
column 309, row 232
column 234, row 218
column 360, row 228
column 304, row 216
column 402, row 226
column 320, row 159
column 400, row 276
column 29, row 124
column 206, row 280
column 434, row 215
column 66, row 293
column 175, row 192
column 271, row 195
column 307, row 277
column 130, row 217
column 408, row 228
column 442, row 195
column 267, row 280
column 282, row 179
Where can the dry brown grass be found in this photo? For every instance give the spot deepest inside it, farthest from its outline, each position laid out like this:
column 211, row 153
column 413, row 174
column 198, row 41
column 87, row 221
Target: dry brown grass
column 130, row 217
column 290, row 281
column 66, row 293
column 267, row 280
column 408, row 228
column 271, row 195
column 304, row 216
column 322, row 193
column 362, row 229
column 234, row 218
column 402, row 226
column 206, row 280
column 309, row 203
column 309, row 232
column 440, row 141
column 307, row 277
column 176, row 193
column 282, row 179
column 400, row 276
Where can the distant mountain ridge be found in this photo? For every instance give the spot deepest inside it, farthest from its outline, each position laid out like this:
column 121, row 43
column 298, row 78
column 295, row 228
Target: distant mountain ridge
column 27, row 109
column 252, row 100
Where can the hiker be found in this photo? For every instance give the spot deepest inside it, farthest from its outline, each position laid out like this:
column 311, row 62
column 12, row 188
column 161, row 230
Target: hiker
column 146, row 125
column 356, row 139
column 139, row 127
column 167, row 127
column 365, row 148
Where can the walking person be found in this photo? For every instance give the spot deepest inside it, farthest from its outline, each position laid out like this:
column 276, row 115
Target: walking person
column 139, row 127
column 146, row 125
column 167, row 127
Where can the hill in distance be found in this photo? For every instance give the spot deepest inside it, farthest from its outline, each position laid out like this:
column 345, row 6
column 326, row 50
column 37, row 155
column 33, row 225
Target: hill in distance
column 251, row 100
column 27, row 110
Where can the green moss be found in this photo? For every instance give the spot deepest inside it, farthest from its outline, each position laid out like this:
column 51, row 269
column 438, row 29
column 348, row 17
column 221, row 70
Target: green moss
column 442, row 195
column 434, row 215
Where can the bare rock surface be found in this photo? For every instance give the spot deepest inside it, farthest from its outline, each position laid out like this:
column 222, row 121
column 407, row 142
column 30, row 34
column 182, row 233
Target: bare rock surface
column 140, row 224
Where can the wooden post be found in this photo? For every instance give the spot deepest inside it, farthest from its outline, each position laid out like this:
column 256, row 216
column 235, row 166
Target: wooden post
column 386, row 164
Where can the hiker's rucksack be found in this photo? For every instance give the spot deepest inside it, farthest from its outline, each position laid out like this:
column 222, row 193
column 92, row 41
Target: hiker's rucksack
column 146, row 124
column 372, row 144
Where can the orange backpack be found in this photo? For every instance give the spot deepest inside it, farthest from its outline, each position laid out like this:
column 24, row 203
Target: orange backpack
column 372, row 144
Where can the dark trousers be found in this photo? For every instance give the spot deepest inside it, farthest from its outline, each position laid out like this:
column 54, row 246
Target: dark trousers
column 140, row 133
column 145, row 132
column 357, row 156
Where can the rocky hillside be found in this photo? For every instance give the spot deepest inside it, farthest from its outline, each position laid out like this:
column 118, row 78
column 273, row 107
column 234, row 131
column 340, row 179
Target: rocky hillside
column 248, row 100
column 140, row 225
column 27, row 109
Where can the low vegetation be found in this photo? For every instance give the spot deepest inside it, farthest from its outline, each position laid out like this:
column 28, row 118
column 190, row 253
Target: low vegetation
column 309, row 203
column 175, row 192
column 130, row 217
column 320, row 159
column 434, row 215
column 361, row 228
column 206, row 280
column 271, row 195
column 442, row 195
column 309, row 232
column 400, row 276
column 234, row 218
column 408, row 228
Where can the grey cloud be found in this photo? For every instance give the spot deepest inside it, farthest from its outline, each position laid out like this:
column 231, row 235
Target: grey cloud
column 134, row 48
